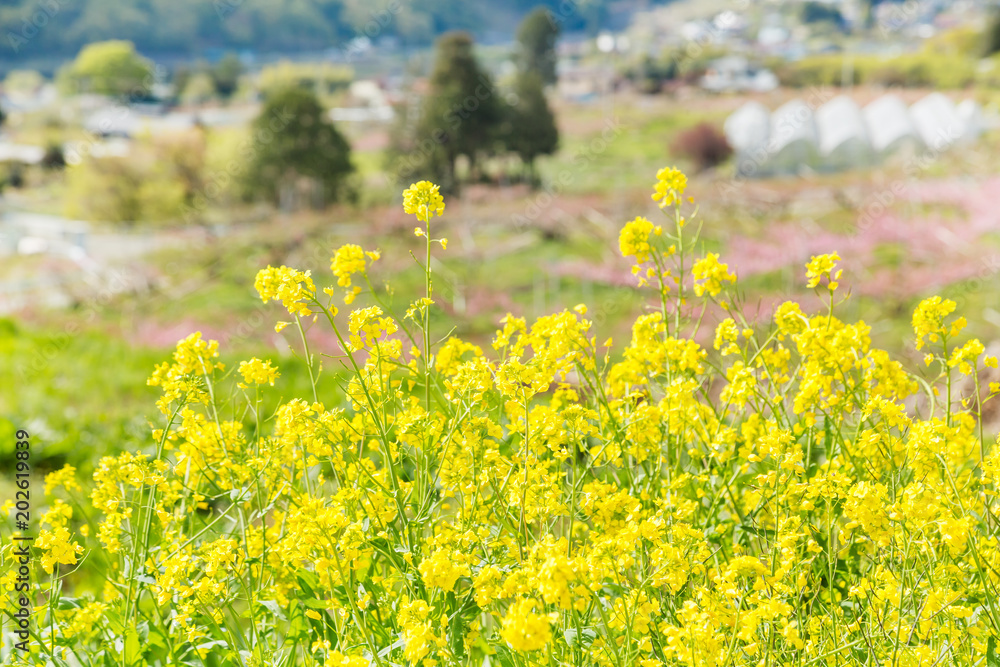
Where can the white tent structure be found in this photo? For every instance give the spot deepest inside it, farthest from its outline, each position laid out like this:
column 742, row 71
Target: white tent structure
column 840, row 135
column 747, row 131
column 747, row 127
column 971, row 115
column 937, row 121
column 889, row 125
column 793, row 142
column 843, row 136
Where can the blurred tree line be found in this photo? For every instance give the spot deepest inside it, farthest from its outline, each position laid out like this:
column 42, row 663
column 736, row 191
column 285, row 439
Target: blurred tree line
column 465, row 127
column 60, row 27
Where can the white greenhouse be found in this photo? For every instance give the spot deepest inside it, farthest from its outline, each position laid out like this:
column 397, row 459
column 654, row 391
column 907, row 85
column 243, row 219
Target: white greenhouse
column 890, row 127
column 747, row 131
column 843, row 137
column 937, row 121
column 971, row 115
column 747, row 127
column 840, row 135
column 793, row 142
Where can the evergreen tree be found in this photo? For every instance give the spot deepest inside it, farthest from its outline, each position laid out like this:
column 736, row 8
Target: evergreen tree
column 992, row 35
column 533, row 124
column 294, row 140
column 460, row 114
column 536, row 45
column 226, row 75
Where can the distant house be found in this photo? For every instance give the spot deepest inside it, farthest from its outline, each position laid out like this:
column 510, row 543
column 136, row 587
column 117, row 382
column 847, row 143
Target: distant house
column 112, row 122
column 369, row 102
column 583, row 81
column 36, row 233
column 729, row 24
column 30, row 100
column 130, row 121
column 735, row 73
column 23, row 153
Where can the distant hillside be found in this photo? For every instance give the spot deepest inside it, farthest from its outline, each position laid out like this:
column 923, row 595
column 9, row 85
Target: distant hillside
column 31, row 29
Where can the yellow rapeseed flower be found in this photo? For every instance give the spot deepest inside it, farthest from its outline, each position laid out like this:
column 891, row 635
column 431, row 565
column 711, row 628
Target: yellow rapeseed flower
column 256, row 371
column 670, row 185
column 711, row 273
column 525, row 630
column 928, row 320
column 823, row 265
column 347, row 261
column 633, row 240
column 423, row 200
column 287, row 285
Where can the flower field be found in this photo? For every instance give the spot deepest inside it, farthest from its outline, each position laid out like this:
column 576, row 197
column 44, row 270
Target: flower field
column 790, row 496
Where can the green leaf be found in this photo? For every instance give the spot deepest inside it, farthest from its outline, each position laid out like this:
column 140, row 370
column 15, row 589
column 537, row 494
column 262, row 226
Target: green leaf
column 274, row 608
column 115, row 622
column 759, row 532
column 313, row 603
column 307, row 580
column 991, row 652
column 570, row 635
column 156, row 640
column 133, row 649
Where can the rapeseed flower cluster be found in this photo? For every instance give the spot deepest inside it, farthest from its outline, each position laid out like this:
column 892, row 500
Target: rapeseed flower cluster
column 789, row 496
column 348, row 260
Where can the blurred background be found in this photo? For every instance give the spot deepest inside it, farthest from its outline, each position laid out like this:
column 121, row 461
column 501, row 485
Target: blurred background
column 155, row 154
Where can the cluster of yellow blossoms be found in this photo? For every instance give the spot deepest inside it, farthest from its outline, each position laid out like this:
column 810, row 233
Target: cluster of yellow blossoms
column 792, row 497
